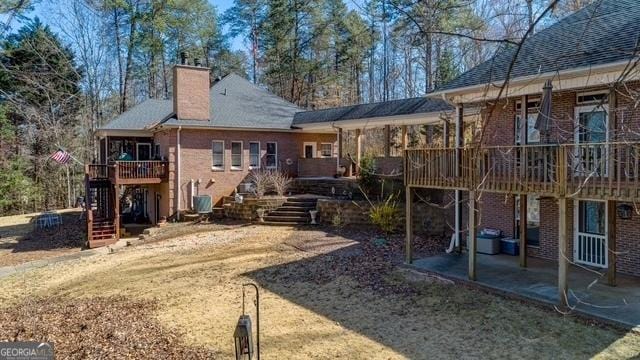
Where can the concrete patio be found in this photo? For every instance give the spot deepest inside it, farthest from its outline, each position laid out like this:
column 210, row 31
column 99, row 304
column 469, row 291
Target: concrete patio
column 620, row 304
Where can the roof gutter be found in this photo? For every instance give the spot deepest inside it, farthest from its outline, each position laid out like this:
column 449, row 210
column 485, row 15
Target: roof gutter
column 528, row 79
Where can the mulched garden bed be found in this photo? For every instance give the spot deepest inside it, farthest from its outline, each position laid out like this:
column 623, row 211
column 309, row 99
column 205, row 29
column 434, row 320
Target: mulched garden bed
column 104, row 328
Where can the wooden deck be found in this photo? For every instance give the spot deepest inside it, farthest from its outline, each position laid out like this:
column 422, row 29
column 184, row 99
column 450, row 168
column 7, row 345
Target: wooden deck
column 608, row 171
column 130, row 172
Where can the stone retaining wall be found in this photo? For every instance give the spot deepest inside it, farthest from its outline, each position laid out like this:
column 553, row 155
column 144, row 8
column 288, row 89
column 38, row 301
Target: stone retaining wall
column 247, row 209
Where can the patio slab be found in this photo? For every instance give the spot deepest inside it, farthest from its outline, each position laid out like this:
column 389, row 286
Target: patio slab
column 588, row 290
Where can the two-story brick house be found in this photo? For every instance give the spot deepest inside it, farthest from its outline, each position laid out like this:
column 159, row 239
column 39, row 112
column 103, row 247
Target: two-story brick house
column 567, row 181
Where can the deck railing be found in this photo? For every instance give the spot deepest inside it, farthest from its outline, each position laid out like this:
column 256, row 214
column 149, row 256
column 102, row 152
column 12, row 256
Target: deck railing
column 599, row 170
column 129, row 171
column 96, row 171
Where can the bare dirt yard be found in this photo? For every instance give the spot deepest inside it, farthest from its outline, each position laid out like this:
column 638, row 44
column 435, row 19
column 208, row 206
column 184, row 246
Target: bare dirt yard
column 325, row 294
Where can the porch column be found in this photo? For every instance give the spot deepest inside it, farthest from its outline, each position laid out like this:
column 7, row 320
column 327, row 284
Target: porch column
column 116, row 213
column 459, row 141
column 611, row 240
column 387, row 140
column 523, row 230
column 445, row 133
column 472, row 241
column 408, row 242
column 405, row 137
column 358, row 149
column 340, row 137
column 563, row 262
column 524, row 119
column 339, row 155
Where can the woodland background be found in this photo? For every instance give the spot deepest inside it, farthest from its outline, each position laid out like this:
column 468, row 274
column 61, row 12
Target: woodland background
column 82, row 62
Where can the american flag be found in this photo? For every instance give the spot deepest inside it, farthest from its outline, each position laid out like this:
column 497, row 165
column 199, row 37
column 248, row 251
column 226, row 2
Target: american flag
column 61, row 156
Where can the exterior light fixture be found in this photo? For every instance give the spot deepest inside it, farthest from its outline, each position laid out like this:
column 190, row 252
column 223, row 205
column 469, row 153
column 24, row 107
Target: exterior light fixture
column 243, row 335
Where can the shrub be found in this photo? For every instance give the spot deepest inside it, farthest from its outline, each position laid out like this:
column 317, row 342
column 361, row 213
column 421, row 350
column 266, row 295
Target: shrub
column 367, row 178
column 280, row 181
column 386, row 215
column 261, row 182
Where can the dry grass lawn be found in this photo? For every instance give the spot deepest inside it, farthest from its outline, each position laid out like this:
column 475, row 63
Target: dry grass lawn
column 324, row 295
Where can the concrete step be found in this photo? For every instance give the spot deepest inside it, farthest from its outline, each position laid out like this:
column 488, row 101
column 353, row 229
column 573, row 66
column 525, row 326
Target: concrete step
column 302, row 201
column 282, row 223
column 296, row 219
column 279, row 212
column 102, row 242
column 296, row 208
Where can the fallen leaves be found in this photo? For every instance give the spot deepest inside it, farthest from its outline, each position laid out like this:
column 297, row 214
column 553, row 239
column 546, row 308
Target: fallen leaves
column 91, row 328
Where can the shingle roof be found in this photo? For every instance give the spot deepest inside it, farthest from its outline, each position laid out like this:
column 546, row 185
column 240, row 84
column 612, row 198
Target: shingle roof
column 147, row 113
column 604, row 32
column 386, row 108
column 237, row 103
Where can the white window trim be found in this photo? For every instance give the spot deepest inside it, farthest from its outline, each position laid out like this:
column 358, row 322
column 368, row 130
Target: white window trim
column 325, row 156
column 217, row 168
column 595, row 92
column 314, row 149
column 577, row 233
column 587, row 109
column 259, row 155
column 235, row 168
column 276, row 154
column 138, row 150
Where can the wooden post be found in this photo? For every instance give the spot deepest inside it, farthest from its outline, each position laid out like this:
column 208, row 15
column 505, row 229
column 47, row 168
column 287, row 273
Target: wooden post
column 563, row 262
column 358, row 149
column 408, row 244
column 472, row 240
column 405, row 137
column 459, row 143
column 523, row 230
column 116, row 213
column 523, row 133
column 611, row 240
column 387, row 140
column 445, row 134
column 340, row 137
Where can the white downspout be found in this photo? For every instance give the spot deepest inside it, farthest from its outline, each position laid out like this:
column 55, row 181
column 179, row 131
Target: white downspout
column 178, row 173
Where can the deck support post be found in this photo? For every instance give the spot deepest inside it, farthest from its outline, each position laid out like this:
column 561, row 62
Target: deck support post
column 563, row 261
column 611, row 240
column 405, row 137
column 116, row 211
column 472, row 240
column 387, row 140
column 358, row 149
column 523, row 230
column 339, row 151
column 408, row 244
column 459, row 143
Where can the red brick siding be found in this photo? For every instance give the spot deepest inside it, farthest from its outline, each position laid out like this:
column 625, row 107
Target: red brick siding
column 498, row 211
column 196, row 159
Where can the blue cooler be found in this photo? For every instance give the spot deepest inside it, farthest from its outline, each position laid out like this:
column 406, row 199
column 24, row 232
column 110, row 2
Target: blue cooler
column 510, row 246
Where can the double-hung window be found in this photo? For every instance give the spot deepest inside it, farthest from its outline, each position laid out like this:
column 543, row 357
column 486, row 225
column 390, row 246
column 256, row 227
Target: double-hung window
column 236, row 155
column 271, row 157
column 217, row 150
column 254, row 155
column 326, row 149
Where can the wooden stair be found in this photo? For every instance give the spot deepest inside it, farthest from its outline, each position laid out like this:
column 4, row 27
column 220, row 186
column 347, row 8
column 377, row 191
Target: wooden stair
column 293, row 212
column 103, row 233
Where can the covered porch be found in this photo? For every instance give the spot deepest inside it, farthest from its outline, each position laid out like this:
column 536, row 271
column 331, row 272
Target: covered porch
column 588, row 292
column 383, row 139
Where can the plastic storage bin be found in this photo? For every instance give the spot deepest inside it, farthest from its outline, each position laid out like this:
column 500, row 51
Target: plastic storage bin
column 488, row 243
column 510, row 246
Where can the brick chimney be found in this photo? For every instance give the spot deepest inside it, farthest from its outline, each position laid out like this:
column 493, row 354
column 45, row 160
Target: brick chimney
column 190, row 92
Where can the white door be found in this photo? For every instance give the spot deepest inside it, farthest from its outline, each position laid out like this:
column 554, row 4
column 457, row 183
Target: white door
column 590, row 245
